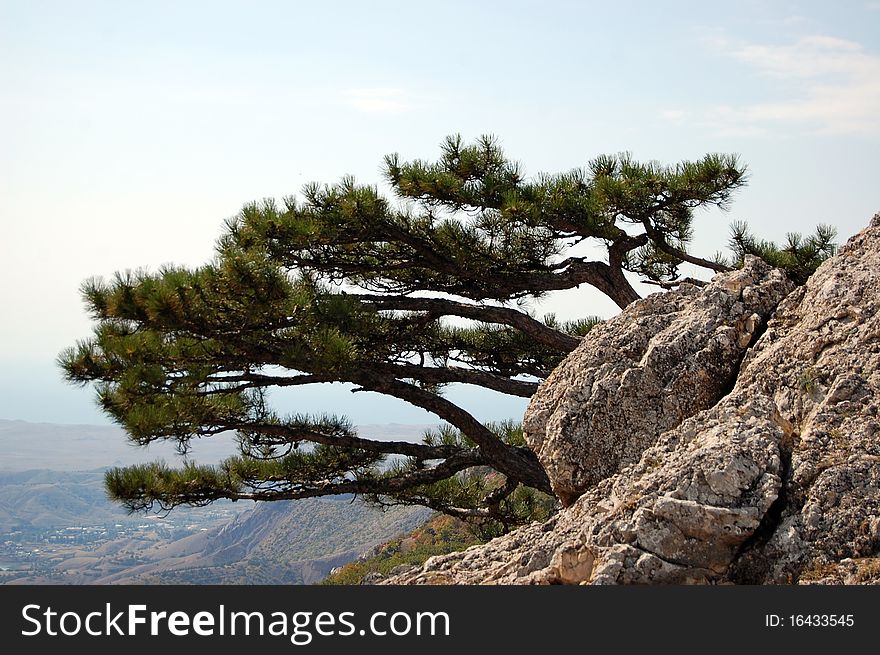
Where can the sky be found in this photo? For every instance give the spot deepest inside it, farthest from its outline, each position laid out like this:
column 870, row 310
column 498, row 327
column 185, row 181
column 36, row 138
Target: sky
column 130, row 131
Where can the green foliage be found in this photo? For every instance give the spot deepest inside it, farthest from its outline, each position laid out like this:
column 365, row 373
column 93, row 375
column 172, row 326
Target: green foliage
column 142, row 485
column 579, row 327
column 295, row 473
column 799, row 257
column 477, row 227
column 808, row 381
column 398, row 296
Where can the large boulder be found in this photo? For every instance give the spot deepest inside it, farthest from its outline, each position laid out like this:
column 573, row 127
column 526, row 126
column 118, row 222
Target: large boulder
column 660, row 361
column 779, row 482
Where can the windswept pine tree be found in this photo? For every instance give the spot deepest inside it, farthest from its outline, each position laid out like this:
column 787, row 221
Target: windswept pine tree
column 399, row 297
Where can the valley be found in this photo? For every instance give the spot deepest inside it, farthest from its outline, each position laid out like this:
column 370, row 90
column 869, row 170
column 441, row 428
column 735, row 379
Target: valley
column 58, row 527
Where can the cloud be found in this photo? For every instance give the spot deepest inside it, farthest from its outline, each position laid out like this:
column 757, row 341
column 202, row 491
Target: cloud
column 676, row 116
column 379, row 100
column 791, row 20
column 825, row 85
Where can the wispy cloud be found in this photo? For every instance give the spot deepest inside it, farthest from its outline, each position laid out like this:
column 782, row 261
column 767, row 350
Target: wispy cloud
column 792, row 20
column 826, row 85
column 380, row 100
column 676, row 116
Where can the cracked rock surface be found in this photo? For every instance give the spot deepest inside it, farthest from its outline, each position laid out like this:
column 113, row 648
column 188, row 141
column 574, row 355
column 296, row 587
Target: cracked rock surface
column 776, row 482
column 661, row 360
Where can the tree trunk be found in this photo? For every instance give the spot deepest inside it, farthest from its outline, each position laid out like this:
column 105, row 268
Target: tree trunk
column 619, row 289
column 520, row 464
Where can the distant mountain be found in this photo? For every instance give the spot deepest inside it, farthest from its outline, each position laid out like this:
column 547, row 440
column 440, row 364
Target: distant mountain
column 85, row 447
column 46, row 499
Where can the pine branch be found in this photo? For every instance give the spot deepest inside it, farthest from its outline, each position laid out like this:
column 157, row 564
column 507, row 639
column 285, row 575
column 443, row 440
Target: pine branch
column 428, row 374
column 287, row 434
column 143, row 487
column 800, row 257
column 436, row 307
column 659, row 240
column 258, row 381
column 449, row 374
column 518, row 463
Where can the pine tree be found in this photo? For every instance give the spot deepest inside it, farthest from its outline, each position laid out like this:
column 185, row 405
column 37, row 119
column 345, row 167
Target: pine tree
column 799, row 257
column 344, row 285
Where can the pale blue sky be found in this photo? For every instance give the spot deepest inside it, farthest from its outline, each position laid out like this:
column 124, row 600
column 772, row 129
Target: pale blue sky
column 129, row 131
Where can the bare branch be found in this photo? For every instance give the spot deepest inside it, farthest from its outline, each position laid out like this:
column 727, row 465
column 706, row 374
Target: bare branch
column 659, row 239
column 446, row 374
column 484, row 313
column 434, row 375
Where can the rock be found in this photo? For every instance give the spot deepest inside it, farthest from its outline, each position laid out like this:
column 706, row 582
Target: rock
column 679, row 515
column 401, row 569
column 661, row 360
column 820, row 363
column 778, row 482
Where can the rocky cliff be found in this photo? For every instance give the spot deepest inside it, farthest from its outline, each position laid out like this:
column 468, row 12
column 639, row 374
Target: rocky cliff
column 696, row 441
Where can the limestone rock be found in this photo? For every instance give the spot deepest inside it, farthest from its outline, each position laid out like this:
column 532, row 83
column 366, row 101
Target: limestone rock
column 778, row 482
column 820, row 363
column 679, row 515
column 661, row 360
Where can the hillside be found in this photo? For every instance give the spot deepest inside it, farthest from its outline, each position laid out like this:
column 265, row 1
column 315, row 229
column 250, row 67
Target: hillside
column 439, row 535
column 59, row 528
column 296, row 542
